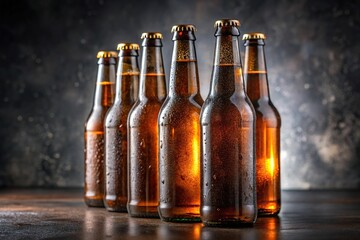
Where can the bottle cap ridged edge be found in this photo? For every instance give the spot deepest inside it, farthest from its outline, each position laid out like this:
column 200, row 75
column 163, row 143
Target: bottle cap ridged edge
column 152, row 35
column 128, row 46
column 227, row 22
column 254, row 35
column 183, row 27
column 107, row 54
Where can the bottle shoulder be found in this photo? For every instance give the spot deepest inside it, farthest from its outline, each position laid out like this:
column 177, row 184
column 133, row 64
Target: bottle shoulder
column 95, row 120
column 117, row 114
column 179, row 110
column 266, row 111
column 226, row 108
column 145, row 110
column 178, row 102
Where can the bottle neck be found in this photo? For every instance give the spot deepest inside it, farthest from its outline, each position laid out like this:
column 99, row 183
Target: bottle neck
column 255, row 71
column 105, row 83
column 227, row 77
column 127, row 81
column 184, row 76
column 152, row 78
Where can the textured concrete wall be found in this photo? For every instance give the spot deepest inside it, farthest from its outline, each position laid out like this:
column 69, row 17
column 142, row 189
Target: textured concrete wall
column 48, row 71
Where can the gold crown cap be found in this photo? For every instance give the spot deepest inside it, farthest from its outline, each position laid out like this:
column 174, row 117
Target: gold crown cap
column 107, row 54
column 254, row 35
column 154, row 35
column 128, row 46
column 227, row 22
column 183, row 27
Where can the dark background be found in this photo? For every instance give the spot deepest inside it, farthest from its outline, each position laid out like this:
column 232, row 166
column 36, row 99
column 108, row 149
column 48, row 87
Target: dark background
column 48, row 71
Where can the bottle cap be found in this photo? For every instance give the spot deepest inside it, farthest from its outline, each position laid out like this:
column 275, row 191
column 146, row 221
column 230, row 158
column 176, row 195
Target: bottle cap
column 128, row 46
column 183, row 27
column 107, row 54
column 253, row 36
column 227, row 22
column 154, row 35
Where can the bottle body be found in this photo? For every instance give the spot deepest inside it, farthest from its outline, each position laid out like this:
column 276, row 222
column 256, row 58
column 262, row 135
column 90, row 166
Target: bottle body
column 143, row 132
column 268, row 124
column 94, row 132
column 179, row 160
column 179, row 132
column 267, row 163
column 228, row 167
column 228, row 138
column 116, row 144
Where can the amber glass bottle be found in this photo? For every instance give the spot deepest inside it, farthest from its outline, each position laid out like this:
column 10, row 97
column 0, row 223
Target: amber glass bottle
column 116, row 128
column 143, row 134
column 268, row 124
column 228, row 138
column 94, row 129
column 179, row 127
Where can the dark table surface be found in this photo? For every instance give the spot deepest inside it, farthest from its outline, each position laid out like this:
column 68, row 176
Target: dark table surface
column 61, row 214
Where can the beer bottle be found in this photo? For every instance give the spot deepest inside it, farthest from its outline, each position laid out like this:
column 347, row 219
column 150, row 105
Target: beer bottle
column 267, row 126
column 228, row 131
column 143, row 136
column 179, row 126
column 94, row 129
column 116, row 128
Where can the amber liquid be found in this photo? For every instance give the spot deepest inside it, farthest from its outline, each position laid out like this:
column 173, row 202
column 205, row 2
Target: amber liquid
column 267, row 146
column 116, row 170
column 228, row 174
column 144, row 151
column 94, row 175
column 268, row 171
column 116, row 146
column 180, row 150
column 94, row 146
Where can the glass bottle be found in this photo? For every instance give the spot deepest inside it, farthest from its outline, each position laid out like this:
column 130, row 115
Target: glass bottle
column 116, row 145
column 180, row 133
column 268, row 124
column 228, row 138
column 94, row 129
column 143, row 134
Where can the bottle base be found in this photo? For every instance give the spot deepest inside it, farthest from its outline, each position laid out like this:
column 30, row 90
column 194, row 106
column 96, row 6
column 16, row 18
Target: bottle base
column 268, row 208
column 91, row 202
column 181, row 219
column 229, row 223
column 268, row 212
column 115, row 206
column 143, row 211
column 180, row 214
column 220, row 216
